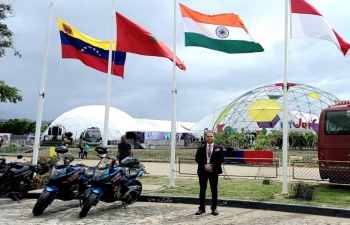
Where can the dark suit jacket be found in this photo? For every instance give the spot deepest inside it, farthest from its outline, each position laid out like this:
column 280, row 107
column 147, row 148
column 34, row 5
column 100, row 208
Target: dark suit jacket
column 216, row 159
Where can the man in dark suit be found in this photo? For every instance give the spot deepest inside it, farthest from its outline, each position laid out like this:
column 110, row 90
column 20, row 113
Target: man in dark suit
column 209, row 158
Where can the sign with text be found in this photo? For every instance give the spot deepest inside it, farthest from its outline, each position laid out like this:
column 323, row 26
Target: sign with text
column 301, row 125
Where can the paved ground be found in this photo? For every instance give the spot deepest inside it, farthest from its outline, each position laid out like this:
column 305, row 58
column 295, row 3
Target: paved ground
column 149, row 213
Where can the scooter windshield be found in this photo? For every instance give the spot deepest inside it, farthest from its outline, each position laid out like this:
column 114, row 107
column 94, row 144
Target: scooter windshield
column 63, row 162
column 105, row 163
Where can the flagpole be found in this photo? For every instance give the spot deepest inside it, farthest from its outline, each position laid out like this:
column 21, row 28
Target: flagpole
column 173, row 112
column 41, row 95
column 285, row 100
column 109, row 81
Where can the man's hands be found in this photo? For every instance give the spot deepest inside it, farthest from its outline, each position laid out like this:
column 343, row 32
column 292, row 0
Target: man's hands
column 208, row 167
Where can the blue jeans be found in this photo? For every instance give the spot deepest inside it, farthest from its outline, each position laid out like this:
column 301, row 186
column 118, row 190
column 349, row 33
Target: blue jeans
column 81, row 154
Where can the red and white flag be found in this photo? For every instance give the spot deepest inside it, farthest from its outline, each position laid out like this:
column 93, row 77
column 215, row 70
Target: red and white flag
column 306, row 21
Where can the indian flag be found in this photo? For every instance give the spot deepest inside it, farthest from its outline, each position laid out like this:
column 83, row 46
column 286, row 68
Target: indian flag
column 222, row 32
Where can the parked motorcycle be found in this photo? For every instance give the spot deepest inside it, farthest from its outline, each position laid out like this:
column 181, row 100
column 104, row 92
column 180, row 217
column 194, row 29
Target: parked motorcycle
column 15, row 178
column 66, row 181
column 111, row 183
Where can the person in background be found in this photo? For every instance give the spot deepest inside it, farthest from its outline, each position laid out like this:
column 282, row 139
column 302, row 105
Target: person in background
column 229, row 150
column 209, row 158
column 86, row 150
column 20, row 159
column 124, row 149
column 81, row 149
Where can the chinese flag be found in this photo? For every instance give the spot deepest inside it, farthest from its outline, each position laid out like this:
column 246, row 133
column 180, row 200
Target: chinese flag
column 135, row 39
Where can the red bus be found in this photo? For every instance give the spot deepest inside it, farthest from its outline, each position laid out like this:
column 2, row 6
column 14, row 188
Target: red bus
column 334, row 143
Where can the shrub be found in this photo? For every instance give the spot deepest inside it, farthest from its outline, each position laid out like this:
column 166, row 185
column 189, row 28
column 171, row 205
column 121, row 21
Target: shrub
column 45, row 163
column 42, row 177
column 39, row 181
column 13, row 145
column 303, row 191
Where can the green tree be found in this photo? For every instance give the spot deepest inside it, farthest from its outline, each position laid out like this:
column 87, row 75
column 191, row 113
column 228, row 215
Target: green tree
column 222, row 137
column 6, row 35
column 261, row 143
column 8, row 93
column 229, row 137
column 228, row 130
column 236, row 136
column 311, row 138
column 273, row 137
column 299, row 140
column 43, row 127
column 266, row 141
column 18, row 126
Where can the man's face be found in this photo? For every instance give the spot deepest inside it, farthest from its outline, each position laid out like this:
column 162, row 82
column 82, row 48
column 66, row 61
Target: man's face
column 210, row 138
column 123, row 140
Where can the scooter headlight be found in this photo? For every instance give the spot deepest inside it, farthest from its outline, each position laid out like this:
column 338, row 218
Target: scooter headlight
column 57, row 173
column 98, row 174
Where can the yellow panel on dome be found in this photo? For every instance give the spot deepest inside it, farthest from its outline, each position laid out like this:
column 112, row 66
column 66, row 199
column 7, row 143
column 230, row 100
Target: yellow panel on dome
column 264, row 110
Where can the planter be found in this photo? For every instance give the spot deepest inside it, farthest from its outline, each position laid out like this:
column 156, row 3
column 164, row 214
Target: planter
column 238, row 155
column 253, row 157
column 258, row 157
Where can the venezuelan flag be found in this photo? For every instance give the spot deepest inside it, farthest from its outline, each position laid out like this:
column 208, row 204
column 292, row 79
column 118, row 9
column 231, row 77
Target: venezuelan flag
column 90, row 51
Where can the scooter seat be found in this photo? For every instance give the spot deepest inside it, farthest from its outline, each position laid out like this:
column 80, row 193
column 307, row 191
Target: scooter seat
column 132, row 173
column 89, row 172
column 2, row 169
column 18, row 165
column 16, row 171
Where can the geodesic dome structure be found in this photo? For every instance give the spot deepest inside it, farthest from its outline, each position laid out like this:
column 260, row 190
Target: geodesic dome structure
column 263, row 108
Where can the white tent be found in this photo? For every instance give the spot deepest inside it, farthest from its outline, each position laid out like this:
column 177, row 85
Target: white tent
column 81, row 118
column 162, row 125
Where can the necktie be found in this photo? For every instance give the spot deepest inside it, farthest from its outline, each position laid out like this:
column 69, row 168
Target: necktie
column 209, row 151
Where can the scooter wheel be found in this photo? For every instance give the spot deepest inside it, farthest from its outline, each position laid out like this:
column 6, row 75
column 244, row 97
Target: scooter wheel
column 88, row 204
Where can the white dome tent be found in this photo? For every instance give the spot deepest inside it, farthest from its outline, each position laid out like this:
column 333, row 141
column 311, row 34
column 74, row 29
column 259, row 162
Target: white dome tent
column 81, row 118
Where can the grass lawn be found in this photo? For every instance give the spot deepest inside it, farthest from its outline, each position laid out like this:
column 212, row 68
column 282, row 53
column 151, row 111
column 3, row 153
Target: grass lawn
column 142, row 154
column 247, row 189
column 158, row 154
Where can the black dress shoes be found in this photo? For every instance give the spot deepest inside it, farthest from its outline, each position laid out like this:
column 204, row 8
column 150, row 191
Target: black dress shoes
column 200, row 212
column 215, row 212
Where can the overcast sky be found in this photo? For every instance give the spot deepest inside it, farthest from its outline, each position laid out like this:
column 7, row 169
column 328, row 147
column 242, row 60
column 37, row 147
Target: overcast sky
column 212, row 79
